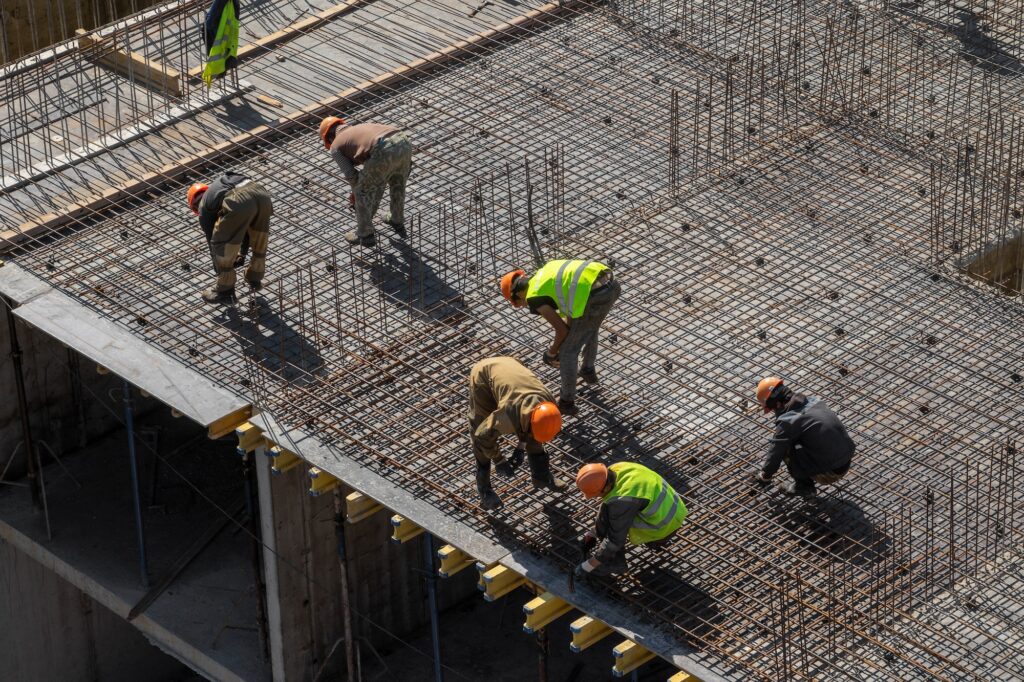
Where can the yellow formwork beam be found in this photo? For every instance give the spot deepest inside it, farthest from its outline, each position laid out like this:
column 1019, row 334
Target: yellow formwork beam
column 250, row 437
column 452, row 561
column 542, row 611
column 321, row 482
column 586, row 631
column 628, row 657
column 359, row 506
column 482, row 568
column 500, row 580
column 404, row 529
column 683, row 676
column 282, row 460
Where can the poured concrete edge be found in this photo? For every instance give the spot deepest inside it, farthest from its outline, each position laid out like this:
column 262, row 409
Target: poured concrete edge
column 115, row 348
column 158, row 635
column 400, row 501
column 616, row 616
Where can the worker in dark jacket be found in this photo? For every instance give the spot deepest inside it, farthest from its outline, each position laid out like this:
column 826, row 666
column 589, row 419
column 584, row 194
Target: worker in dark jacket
column 386, row 157
column 637, row 505
column 234, row 213
column 507, row 398
column 809, row 438
column 581, row 291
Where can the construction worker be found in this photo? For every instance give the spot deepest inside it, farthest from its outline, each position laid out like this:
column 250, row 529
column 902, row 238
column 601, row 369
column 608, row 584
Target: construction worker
column 636, row 505
column 507, row 398
column 809, row 438
column 582, row 292
column 386, row 157
column 232, row 210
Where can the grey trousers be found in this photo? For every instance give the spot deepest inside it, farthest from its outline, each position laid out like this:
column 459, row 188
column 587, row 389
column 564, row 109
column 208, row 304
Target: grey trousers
column 583, row 336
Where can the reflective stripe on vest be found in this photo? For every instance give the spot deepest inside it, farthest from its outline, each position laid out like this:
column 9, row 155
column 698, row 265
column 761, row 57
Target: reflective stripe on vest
column 665, row 510
column 570, row 296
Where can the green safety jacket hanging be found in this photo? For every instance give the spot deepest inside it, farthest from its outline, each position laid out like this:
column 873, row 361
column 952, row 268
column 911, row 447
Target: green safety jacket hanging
column 664, row 513
column 567, row 282
column 221, row 34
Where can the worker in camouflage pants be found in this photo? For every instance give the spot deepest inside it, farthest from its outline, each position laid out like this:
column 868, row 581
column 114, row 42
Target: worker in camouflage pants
column 232, row 209
column 386, row 157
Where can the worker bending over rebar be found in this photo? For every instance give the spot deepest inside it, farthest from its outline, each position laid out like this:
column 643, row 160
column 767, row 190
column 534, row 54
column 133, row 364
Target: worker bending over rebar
column 637, row 505
column 809, row 438
column 580, row 291
column 234, row 213
column 507, row 398
column 386, row 157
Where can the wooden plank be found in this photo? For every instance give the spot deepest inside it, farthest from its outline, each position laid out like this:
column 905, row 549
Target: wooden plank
column 190, row 164
column 289, row 32
column 148, row 71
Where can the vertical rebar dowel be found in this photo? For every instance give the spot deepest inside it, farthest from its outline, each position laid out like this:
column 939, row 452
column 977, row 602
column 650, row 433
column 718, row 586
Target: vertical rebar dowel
column 435, row 628
column 129, row 422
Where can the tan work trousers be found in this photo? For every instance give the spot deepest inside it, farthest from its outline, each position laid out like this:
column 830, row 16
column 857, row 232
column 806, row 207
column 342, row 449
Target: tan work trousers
column 246, row 210
column 388, row 167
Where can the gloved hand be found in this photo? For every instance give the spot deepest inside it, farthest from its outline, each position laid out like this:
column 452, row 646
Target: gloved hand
column 589, row 541
column 585, row 567
column 517, row 456
column 352, row 201
column 760, row 479
column 505, row 469
column 551, row 360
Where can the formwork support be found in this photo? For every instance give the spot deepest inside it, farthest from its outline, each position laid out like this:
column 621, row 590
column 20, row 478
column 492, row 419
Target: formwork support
column 452, row 560
column 586, row 632
column 346, row 609
column 282, row 460
column 683, row 676
column 359, row 507
column 404, row 529
column 321, row 482
column 19, row 384
column 543, row 610
column 628, row 657
column 250, row 437
column 497, row 581
column 129, row 422
column 435, row 628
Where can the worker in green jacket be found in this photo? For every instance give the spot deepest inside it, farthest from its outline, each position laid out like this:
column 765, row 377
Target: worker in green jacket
column 580, row 291
column 637, row 505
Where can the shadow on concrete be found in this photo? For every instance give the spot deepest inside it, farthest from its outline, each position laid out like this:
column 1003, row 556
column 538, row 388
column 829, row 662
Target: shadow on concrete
column 609, row 437
column 833, row 526
column 976, row 46
column 268, row 340
column 405, row 277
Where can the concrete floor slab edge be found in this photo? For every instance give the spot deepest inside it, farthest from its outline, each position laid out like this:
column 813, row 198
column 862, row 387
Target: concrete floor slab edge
column 385, row 492
column 159, row 636
column 616, row 616
column 128, row 356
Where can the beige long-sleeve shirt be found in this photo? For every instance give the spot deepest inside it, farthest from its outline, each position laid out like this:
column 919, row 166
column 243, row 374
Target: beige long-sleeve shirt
column 502, row 394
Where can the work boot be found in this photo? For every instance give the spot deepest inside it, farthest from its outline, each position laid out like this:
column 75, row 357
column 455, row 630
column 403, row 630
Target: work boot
column 567, row 407
column 540, row 472
column 614, row 567
column 588, row 375
column 255, row 286
column 488, row 498
column 211, row 295
column 803, row 489
column 355, row 240
column 399, row 228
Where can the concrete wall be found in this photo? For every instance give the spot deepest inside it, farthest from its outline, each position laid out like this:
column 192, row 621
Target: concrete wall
column 50, row 630
column 62, row 414
column 385, row 579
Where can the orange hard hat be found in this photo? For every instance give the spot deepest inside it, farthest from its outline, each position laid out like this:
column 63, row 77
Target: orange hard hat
column 765, row 388
column 545, row 421
column 195, row 192
column 327, row 125
column 591, row 478
column 506, row 285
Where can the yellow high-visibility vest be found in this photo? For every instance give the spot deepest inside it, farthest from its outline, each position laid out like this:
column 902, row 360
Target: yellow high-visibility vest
column 223, row 50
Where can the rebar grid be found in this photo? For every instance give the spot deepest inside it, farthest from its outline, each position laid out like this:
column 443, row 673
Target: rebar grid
column 771, row 250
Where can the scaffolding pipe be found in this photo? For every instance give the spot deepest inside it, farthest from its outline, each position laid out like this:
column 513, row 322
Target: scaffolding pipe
column 19, row 382
column 346, row 610
column 431, row 578
column 257, row 557
column 542, row 656
column 129, row 422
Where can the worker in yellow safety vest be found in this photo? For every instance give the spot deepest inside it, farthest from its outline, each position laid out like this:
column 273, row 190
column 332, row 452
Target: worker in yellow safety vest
column 637, row 505
column 580, row 291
